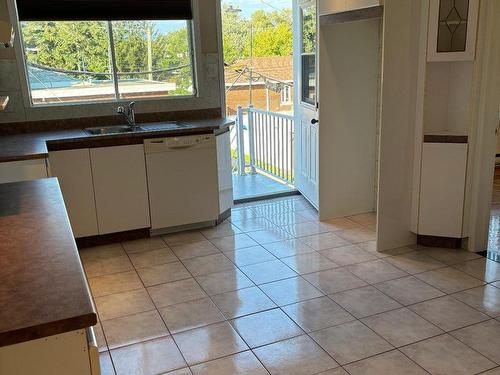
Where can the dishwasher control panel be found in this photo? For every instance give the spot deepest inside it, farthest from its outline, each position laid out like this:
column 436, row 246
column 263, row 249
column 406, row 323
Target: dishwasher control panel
column 172, row 143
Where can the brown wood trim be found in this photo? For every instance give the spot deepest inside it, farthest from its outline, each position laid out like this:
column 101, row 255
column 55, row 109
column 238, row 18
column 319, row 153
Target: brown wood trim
column 352, row 15
column 112, row 238
column 436, row 241
column 440, row 138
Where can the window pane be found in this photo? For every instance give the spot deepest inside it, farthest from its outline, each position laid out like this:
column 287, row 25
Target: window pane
column 309, row 30
column 68, row 61
column 309, row 79
column 153, row 58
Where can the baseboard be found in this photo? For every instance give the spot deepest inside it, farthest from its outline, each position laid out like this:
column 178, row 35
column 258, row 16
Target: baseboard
column 107, row 239
column 268, row 196
column 436, row 241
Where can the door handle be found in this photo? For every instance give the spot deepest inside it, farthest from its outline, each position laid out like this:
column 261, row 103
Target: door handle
column 314, row 121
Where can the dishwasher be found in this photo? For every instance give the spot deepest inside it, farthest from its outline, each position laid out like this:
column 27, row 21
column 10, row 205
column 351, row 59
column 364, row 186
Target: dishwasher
column 182, row 180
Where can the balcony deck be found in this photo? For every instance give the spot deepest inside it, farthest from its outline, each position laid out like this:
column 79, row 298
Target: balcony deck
column 251, row 186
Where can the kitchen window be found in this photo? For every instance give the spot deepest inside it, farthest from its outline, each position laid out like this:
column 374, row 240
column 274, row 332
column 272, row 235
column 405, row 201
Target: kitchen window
column 90, row 51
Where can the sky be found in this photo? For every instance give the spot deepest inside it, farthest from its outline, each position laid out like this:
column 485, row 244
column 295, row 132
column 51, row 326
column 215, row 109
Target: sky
column 249, row 6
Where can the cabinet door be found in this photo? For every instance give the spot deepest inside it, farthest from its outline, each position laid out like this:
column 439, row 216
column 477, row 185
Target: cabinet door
column 442, row 189
column 224, row 172
column 23, row 170
column 121, row 192
column 73, row 170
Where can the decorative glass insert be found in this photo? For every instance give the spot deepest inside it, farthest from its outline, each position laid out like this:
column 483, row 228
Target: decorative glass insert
column 308, row 55
column 452, row 30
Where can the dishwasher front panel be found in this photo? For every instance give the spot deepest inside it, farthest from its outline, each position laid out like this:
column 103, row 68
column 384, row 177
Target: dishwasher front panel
column 182, row 180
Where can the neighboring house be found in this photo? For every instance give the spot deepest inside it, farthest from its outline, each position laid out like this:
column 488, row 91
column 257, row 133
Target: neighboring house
column 272, row 84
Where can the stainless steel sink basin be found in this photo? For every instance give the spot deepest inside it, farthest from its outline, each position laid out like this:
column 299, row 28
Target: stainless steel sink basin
column 118, row 129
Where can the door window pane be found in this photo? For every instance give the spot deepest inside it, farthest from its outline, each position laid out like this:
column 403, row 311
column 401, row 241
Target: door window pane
column 309, row 30
column 309, row 79
column 452, row 31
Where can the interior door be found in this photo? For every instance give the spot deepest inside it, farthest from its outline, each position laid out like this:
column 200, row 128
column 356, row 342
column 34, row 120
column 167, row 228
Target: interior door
column 306, row 114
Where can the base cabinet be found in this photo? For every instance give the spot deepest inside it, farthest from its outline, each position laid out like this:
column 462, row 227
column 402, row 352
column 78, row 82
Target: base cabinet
column 74, row 172
column 224, row 169
column 442, row 189
column 23, row 170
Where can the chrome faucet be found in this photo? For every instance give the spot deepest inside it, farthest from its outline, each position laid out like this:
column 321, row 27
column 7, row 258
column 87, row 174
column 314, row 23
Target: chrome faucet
column 129, row 114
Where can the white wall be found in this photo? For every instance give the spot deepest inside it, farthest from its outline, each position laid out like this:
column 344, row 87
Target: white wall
column 13, row 82
column 349, row 60
column 398, row 113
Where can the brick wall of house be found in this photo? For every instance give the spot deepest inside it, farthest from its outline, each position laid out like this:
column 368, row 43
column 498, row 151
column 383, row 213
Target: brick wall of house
column 239, row 95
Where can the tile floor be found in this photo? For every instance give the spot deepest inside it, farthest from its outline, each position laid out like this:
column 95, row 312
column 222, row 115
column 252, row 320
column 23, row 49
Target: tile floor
column 494, row 233
column 275, row 291
column 257, row 185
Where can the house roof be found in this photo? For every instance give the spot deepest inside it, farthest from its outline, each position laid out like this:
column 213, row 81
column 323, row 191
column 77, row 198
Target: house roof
column 278, row 68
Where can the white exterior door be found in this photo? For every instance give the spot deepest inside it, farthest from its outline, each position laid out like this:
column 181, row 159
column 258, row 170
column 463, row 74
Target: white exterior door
column 306, row 100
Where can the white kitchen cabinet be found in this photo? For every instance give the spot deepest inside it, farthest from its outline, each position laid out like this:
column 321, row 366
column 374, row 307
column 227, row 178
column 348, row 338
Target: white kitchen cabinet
column 442, row 189
column 224, row 169
column 452, row 30
column 121, row 192
column 74, row 172
column 23, row 170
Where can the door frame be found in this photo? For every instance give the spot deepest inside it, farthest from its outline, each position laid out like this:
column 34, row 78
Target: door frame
column 297, row 75
column 485, row 117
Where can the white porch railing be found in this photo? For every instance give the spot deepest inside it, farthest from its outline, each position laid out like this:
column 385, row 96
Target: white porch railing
column 264, row 142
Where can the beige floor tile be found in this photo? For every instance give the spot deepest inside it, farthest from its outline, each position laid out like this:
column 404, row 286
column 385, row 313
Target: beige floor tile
column 370, row 246
column 267, row 272
column 99, row 336
column 401, row 327
column 270, row 235
column 208, row 264
column 208, row 343
column 299, row 204
column 318, row 313
column 308, row 263
column 393, row 363
column 266, row 327
column 250, row 255
column 122, row 304
column 176, row 292
column 182, row 371
column 305, row 229
column 376, row 271
column 190, row 315
column 347, row 255
column 448, row 313
column 152, row 258
column 368, row 219
column 243, row 302
column 114, row 283
column 340, row 223
column 484, row 298
column 288, row 218
column 163, row 273
column 102, row 252
column 182, row 238
column 496, row 284
column 242, row 213
column 222, row 282
column 253, row 224
column 106, row 364
column 238, row 364
column 336, row 371
column 449, row 280
column 415, row 262
column 483, row 269
column 144, row 244
column 350, row 342
column 222, row 230
column 285, row 292
column 357, row 235
column 366, row 301
column 334, row 280
column 266, row 210
column 495, row 371
column 236, row 242
column 447, row 356
column 324, row 241
column 297, row 356
column 311, row 214
column 194, row 249
column 483, row 337
column 150, row 357
column 132, row 329
column 409, row 290
column 288, row 248
column 100, row 267
column 450, row 256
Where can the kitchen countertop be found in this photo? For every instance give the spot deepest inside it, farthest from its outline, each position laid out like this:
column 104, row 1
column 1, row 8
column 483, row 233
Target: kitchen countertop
column 43, row 289
column 28, row 146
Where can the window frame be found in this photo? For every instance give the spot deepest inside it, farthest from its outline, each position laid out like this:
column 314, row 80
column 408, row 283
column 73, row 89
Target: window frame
column 192, row 29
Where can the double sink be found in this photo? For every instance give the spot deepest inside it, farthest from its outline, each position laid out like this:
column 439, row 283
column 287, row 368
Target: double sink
column 126, row 129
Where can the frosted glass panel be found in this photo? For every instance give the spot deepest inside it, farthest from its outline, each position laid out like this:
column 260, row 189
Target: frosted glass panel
column 452, row 32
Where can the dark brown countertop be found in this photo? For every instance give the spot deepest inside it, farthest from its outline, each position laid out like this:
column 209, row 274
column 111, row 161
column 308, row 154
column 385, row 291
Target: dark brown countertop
column 29, row 146
column 43, row 290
